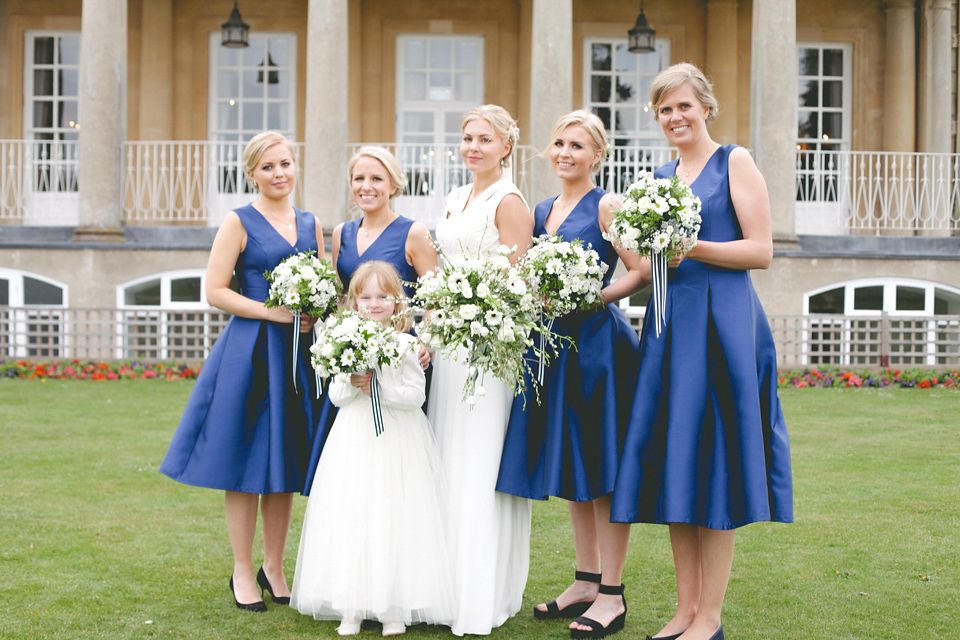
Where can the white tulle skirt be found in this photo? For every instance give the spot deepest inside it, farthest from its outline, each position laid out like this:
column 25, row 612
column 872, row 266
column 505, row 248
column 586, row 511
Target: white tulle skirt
column 373, row 542
column 488, row 532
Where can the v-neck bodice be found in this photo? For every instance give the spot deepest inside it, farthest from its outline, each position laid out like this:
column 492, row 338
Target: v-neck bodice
column 389, row 246
column 266, row 248
column 582, row 222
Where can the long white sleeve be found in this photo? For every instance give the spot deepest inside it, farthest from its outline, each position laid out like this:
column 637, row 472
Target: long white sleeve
column 341, row 392
column 404, row 387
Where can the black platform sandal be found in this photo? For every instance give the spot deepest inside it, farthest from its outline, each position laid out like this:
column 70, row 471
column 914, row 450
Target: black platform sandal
column 596, row 629
column 573, row 610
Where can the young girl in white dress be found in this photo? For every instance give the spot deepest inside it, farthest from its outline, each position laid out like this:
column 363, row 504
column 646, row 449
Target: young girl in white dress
column 373, row 545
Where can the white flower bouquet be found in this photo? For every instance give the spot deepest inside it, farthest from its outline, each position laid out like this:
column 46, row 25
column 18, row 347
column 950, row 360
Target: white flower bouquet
column 565, row 276
column 303, row 283
column 660, row 218
column 485, row 306
column 349, row 343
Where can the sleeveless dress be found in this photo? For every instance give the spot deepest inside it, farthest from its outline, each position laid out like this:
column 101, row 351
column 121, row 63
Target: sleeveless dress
column 373, row 543
column 390, row 246
column 244, row 427
column 569, row 446
column 707, row 443
column 488, row 532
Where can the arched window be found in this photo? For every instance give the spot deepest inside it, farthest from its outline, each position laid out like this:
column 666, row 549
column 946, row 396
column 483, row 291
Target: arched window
column 883, row 321
column 166, row 317
column 31, row 315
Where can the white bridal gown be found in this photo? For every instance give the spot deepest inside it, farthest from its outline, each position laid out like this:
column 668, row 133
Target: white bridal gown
column 488, row 532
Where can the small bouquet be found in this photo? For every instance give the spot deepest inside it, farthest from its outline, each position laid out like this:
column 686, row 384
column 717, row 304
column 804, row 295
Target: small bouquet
column 349, row 343
column 564, row 275
column 485, row 306
column 660, row 218
column 303, row 284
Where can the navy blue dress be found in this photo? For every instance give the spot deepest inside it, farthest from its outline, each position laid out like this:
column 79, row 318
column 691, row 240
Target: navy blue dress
column 390, row 246
column 569, row 446
column 244, row 427
column 707, row 443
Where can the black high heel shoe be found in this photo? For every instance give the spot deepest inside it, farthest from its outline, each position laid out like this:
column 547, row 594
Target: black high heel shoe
column 673, row 637
column 596, row 629
column 265, row 584
column 572, row 610
column 258, row 607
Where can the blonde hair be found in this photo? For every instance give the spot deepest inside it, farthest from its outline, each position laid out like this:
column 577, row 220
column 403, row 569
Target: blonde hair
column 676, row 75
column 389, row 282
column 592, row 124
column 504, row 125
column 389, row 162
column 257, row 146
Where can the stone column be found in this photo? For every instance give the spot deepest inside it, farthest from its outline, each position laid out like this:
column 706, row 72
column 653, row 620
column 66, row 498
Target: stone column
column 722, row 53
column 103, row 113
column 551, row 85
column 900, row 81
column 937, row 95
column 156, row 70
column 325, row 156
column 773, row 109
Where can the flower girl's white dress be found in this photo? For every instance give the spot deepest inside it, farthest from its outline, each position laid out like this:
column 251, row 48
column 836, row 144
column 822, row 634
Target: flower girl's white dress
column 488, row 532
column 373, row 543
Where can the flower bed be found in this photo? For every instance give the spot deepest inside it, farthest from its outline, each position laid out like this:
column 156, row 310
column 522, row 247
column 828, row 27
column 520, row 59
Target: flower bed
column 77, row 370
column 912, row 378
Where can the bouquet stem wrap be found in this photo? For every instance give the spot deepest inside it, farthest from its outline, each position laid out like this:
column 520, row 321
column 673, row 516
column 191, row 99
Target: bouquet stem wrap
column 375, row 402
column 658, row 265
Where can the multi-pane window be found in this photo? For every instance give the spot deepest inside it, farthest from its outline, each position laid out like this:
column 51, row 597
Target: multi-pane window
column 31, row 315
column 438, row 79
column 52, row 109
column 823, row 118
column 616, row 86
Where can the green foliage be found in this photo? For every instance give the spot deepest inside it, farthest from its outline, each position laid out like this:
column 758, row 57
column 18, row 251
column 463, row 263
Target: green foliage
column 98, row 544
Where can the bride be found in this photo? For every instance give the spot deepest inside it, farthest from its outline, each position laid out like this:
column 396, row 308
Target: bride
column 488, row 532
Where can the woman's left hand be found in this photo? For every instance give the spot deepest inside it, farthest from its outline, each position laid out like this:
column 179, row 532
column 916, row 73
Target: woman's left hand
column 307, row 322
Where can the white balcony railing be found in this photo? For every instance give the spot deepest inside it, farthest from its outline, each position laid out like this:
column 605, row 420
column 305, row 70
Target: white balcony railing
column 878, row 193
column 194, row 183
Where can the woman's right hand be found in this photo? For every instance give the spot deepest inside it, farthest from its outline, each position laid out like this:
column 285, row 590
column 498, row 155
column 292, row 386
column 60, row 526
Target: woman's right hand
column 278, row 314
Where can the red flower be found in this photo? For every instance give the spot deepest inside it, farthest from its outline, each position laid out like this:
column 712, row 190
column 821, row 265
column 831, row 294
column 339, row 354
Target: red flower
column 924, row 384
column 98, row 376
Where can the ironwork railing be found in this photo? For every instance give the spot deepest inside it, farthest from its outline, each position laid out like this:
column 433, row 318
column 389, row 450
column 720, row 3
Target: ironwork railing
column 188, row 335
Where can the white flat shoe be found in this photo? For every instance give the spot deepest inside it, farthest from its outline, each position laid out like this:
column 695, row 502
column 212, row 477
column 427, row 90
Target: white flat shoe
column 393, row 628
column 349, row 627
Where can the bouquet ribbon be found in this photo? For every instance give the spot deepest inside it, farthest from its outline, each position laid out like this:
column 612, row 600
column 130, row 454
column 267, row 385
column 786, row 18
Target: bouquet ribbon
column 375, row 402
column 658, row 263
column 296, row 346
column 542, row 366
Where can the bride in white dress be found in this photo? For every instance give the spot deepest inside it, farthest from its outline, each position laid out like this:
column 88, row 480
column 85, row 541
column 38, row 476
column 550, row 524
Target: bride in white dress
column 488, row 532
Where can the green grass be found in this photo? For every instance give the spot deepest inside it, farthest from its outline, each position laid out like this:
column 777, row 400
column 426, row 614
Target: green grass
column 95, row 543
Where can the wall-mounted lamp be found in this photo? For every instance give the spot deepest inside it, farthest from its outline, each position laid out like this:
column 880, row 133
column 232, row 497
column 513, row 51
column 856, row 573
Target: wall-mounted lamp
column 235, row 32
column 642, row 35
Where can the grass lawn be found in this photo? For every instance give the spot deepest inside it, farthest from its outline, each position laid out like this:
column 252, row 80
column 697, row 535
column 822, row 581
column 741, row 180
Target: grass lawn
column 95, row 543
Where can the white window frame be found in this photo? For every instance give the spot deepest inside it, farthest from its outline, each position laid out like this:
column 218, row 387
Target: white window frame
column 227, row 184
column 18, row 315
column 51, row 179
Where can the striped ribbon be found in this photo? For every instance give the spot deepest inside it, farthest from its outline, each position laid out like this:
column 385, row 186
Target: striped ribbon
column 375, row 401
column 296, row 346
column 659, row 273
column 543, row 345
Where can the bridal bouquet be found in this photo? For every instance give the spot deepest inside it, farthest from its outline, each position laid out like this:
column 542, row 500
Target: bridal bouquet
column 303, row 283
column 660, row 218
column 564, row 275
column 349, row 343
column 485, row 306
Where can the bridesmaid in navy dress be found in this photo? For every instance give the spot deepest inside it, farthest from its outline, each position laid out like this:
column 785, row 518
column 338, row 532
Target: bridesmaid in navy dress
column 379, row 234
column 569, row 445
column 707, row 449
column 245, row 429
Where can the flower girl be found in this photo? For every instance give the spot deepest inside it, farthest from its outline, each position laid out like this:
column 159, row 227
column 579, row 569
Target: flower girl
column 372, row 546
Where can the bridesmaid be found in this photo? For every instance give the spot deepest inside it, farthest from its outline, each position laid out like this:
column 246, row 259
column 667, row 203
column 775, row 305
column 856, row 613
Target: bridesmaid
column 378, row 234
column 488, row 532
column 569, row 445
column 245, row 428
column 706, row 449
